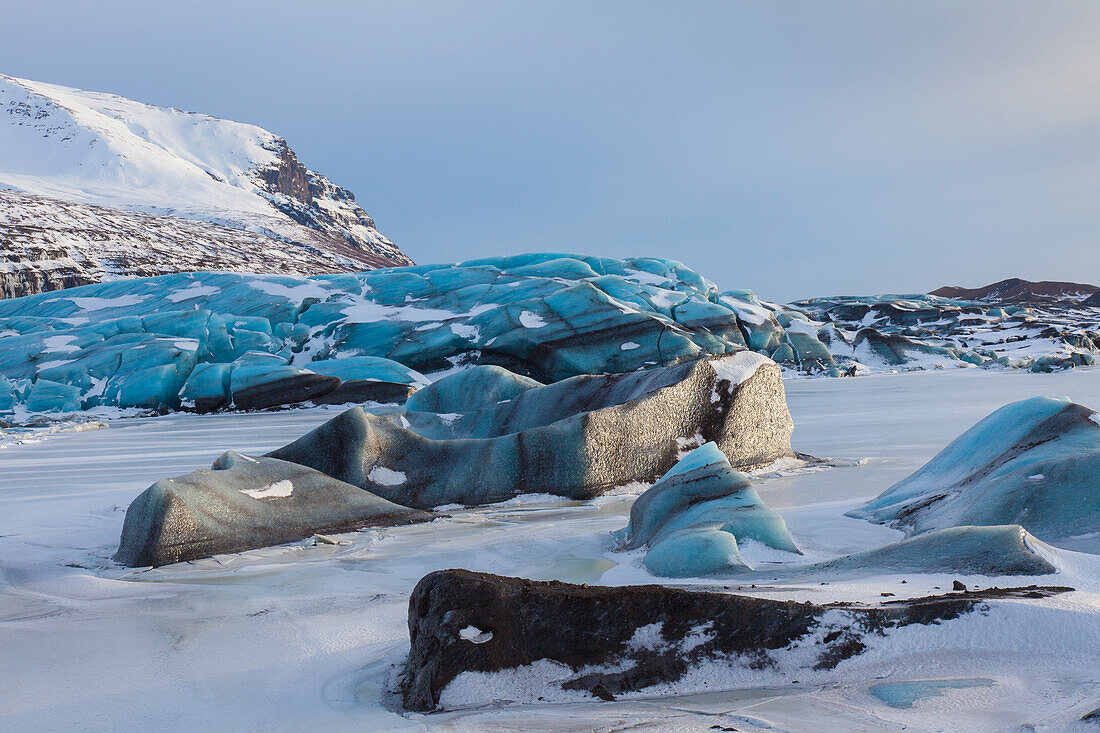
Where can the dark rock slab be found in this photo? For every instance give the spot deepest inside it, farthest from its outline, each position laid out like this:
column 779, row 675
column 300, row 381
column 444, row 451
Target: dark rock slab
column 576, row 438
column 243, row 503
column 645, row 635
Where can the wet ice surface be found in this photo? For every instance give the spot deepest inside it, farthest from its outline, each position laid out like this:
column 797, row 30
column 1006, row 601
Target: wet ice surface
column 306, row 635
column 905, row 694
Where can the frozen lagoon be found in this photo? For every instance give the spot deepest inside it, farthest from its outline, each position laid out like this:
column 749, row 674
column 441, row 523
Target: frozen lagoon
column 305, row 636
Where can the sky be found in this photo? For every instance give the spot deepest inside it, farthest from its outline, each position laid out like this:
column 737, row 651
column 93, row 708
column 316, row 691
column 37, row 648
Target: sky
column 797, row 149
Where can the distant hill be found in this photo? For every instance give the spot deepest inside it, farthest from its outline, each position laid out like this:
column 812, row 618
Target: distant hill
column 95, row 187
column 1025, row 292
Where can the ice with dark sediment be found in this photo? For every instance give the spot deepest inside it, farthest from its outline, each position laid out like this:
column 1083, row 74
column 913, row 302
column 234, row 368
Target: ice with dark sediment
column 242, row 503
column 577, row 438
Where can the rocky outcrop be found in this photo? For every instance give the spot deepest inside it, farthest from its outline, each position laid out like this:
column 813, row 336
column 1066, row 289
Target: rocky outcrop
column 578, row 438
column 243, row 503
column 607, row 641
column 51, row 244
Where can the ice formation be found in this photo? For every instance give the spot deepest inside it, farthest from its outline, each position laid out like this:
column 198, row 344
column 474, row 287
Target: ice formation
column 578, row 437
column 1035, row 463
column 186, row 340
column 992, row 550
column 242, row 503
column 928, row 331
column 691, row 519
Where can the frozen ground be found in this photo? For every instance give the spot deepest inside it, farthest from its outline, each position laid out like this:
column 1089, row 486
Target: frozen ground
column 305, row 636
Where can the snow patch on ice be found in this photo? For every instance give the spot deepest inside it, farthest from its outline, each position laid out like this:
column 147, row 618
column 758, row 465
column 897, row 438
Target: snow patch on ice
column 739, row 367
column 277, row 490
column 387, row 476
column 97, row 304
column 527, row 319
column 194, row 290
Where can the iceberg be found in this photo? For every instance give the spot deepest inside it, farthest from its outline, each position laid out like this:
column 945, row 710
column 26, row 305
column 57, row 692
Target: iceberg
column 577, row 438
column 476, row 636
column 1035, row 463
column 691, row 519
column 242, row 503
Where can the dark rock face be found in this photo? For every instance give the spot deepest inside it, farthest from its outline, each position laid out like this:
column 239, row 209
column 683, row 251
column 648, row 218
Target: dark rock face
column 49, row 244
column 647, row 634
column 576, row 438
column 289, row 177
column 243, row 503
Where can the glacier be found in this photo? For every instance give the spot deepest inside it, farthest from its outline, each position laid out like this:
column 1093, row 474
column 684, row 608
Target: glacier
column 150, row 343
column 216, row 340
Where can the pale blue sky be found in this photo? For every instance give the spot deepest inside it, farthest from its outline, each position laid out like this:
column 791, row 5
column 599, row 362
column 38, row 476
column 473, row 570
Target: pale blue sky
column 794, row 148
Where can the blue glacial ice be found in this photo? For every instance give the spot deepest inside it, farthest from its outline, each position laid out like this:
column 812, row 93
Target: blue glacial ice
column 211, row 340
column 691, row 519
column 547, row 316
column 904, row 694
column 1035, row 463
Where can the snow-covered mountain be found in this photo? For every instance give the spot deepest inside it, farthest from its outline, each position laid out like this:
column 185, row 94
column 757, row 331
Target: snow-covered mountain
column 76, row 165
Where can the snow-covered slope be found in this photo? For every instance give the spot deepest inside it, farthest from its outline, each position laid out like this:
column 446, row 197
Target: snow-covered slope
column 87, row 148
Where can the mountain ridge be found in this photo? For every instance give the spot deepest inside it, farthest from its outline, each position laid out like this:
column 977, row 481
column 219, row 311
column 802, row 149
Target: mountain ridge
column 1019, row 291
column 102, row 154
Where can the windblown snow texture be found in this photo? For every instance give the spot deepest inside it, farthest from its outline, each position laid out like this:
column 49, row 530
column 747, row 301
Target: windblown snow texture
column 1035, row 463
column 214, row 194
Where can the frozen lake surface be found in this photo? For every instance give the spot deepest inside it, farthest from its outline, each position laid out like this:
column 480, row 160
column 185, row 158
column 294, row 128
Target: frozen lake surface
column 303, row 636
